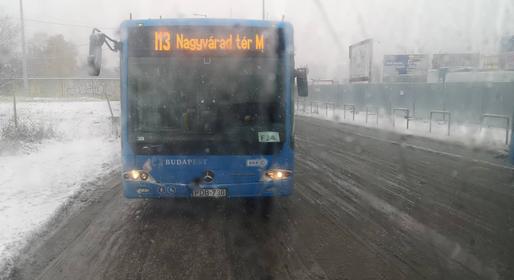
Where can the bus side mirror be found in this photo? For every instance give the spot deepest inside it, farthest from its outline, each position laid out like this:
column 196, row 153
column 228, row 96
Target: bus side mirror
column 301, row 82
column 94, row 59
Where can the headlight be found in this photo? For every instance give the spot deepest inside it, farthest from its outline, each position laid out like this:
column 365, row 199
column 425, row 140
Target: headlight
column 138, row 175
column 278, row 174
column 134, row 174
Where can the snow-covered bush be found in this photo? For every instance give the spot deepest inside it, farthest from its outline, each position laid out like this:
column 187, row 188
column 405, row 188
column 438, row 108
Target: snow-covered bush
column 26, row 131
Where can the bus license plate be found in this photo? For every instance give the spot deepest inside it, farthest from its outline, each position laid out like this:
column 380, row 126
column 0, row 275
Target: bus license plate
column 210, row 193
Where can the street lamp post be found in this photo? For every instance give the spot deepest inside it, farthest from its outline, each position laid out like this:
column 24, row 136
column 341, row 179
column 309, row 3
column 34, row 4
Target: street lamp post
column 24, row 62
column 263, row 10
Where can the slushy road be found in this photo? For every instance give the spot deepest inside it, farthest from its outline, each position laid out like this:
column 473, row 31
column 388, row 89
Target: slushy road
column 367, row 205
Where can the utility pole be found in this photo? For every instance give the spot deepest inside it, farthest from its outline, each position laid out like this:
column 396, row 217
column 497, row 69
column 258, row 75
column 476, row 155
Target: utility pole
column 263, row 10
column 24, row 62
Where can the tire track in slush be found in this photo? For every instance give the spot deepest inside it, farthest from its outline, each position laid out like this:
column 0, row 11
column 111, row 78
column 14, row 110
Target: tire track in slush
column 442, row 194
column 451, row 250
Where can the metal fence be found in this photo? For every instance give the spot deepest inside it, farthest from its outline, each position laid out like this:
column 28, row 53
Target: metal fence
column 466, row 101
column 65, row 87
column 484, row 104
column 403, row 113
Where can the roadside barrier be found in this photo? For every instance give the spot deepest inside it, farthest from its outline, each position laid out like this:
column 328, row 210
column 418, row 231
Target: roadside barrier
column 349, row 107
column 332, row 105
column 494, row 116
column 405, row 112
column 373, row 112
column 444, row 113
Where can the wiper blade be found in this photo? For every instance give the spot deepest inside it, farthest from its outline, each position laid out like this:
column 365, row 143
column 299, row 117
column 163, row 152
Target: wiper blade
column 151, row 148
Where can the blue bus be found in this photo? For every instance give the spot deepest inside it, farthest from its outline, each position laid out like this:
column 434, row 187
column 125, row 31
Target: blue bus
column 206, row 106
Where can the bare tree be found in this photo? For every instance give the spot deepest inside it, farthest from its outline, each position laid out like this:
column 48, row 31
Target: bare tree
column 9, row 57
column 51, row 56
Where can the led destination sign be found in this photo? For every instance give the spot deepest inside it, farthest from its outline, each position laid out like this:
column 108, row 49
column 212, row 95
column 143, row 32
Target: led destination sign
column 168, row 41
column 204, row 40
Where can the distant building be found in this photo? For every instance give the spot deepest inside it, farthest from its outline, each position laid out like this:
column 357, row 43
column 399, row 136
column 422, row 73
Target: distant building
column 507, row 44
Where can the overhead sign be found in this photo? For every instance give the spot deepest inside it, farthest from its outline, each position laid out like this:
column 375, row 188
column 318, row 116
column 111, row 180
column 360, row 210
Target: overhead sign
column 361, row 55
column 458, row 62
column 405, row 68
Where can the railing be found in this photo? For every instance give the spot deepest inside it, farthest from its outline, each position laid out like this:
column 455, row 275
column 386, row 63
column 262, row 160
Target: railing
column 373, row 113
column 67, row 87
column 349, row 107
column 332, row 105
column 494, row 116
column 405, row 112
column 444, row 113
column 312, row 107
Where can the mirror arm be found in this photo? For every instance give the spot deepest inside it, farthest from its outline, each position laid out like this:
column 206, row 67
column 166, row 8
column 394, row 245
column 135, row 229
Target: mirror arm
column 113, row 45
column 302, row 81
column 298, row 71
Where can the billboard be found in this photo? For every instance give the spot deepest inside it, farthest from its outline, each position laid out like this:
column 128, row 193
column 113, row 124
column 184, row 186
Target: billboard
column 361, row 55
column 490, row 63
column 507, row 53
column 457, row 62
column 405, row 68
column 507, row 61
column 507, row 44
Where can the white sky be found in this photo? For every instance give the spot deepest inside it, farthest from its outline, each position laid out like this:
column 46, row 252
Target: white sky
column 398, row 26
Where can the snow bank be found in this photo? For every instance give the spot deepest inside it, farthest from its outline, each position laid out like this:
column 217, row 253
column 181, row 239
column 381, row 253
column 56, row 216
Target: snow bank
column 40, row 177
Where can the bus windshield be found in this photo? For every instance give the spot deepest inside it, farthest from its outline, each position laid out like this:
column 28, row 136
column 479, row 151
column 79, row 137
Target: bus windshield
column 206, row 105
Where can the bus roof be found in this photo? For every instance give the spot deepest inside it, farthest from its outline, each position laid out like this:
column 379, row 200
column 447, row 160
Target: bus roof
column 205, row 22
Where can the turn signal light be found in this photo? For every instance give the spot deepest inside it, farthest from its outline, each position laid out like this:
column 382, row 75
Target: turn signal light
column 278, row 174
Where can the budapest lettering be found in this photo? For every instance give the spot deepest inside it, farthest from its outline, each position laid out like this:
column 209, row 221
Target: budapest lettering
column 181, row 162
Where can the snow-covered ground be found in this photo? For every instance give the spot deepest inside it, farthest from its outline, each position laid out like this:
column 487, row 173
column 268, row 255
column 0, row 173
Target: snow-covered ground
column 38, row 178
column 469, row 134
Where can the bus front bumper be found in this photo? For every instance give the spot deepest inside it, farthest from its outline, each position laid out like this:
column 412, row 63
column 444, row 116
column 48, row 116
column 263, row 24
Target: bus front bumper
column 138, row 189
